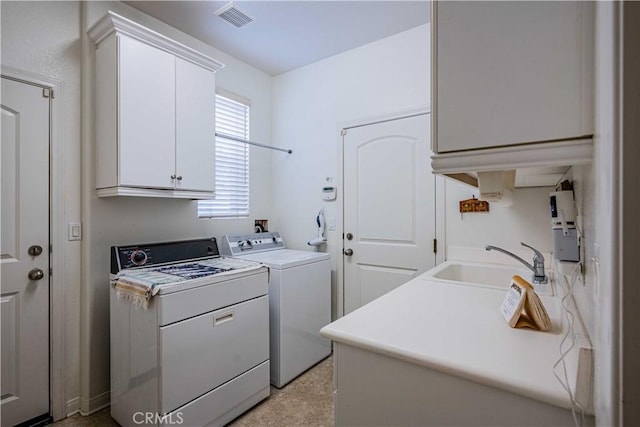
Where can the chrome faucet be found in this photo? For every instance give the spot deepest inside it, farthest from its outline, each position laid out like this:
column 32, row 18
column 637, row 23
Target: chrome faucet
column 539, row 278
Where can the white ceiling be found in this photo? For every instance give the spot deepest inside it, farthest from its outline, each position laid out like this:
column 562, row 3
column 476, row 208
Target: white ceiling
column 290, row 34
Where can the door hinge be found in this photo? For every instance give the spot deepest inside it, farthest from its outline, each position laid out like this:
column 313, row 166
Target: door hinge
column 435, row 246
column 48, row 93
column 50, row 272
column 343, row 132
column 50, row 249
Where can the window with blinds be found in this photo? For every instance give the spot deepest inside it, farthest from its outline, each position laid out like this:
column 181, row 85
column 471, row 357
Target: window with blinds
column 232, row 162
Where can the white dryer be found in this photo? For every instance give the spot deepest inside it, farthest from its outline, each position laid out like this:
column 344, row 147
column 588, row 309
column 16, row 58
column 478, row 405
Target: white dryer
column 299, row 301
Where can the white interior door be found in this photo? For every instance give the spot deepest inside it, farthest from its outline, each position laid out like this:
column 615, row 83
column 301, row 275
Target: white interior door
column 24, row 289
column 389, row 207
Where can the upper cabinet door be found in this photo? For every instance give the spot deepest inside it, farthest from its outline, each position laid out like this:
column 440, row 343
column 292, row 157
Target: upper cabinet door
column 195, row 127
column 147, row 129
column 508, row 73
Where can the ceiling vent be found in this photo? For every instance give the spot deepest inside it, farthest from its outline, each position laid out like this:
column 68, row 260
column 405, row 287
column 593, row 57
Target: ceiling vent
column 233, row 15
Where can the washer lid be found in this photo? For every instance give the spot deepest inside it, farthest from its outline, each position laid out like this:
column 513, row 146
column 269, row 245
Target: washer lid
column 286, row 258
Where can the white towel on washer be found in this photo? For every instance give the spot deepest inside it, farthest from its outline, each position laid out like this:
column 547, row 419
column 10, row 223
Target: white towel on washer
column 138, row 286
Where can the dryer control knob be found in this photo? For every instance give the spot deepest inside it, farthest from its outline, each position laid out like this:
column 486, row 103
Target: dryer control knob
column 138, row 257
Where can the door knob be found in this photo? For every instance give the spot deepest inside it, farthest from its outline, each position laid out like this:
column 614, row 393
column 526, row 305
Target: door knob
column 34, row 250
column 348, row 252
column 36, row 274
column 349, row 236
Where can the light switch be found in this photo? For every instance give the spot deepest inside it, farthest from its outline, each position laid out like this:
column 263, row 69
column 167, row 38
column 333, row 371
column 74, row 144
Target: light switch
column 75, row 231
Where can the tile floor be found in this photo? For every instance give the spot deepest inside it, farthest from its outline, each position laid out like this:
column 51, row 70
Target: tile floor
column 306, row 401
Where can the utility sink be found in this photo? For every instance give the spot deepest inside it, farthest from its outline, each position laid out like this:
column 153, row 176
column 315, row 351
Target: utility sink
column 496, row 276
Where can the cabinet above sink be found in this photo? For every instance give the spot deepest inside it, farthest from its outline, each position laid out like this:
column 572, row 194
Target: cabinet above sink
column 536, row 165
column 512, row 88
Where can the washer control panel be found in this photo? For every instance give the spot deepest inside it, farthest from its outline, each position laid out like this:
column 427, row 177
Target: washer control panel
column 233, row 245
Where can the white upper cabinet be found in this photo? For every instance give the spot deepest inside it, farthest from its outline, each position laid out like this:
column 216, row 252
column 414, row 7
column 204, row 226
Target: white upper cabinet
column 155, row 113
column 195, row 127
column 512, row 84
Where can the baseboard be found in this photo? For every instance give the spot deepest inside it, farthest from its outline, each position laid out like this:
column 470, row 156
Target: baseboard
column 73, row 406
column 94, row 404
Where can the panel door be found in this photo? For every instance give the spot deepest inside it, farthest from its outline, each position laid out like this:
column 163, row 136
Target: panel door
column 195, row 127
column 24, row 301
column 389, row 207
column 147, row 115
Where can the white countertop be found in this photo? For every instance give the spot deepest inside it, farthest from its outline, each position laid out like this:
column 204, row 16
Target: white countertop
column 417, row 323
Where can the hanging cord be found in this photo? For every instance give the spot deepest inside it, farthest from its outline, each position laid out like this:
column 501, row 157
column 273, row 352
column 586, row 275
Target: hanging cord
column 569, row 337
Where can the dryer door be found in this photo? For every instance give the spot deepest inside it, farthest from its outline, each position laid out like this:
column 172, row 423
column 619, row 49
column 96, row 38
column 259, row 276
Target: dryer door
column 201, row 353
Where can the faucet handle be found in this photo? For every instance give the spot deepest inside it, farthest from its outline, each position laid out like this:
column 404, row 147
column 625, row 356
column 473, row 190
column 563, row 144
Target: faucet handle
column 538, row 257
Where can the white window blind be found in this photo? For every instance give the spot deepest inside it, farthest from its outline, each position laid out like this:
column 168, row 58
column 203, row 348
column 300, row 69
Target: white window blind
column 232, row 162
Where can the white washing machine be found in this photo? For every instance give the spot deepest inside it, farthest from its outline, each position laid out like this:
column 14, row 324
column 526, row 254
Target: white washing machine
column 299, row 301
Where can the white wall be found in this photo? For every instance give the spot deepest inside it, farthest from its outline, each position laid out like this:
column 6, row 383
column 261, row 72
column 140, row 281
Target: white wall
column 527, row 220
column 44, row 38
column 309, row 105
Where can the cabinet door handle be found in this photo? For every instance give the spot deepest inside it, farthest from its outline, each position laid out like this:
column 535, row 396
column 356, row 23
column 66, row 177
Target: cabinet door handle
column 179, row 177
column 173, row 176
